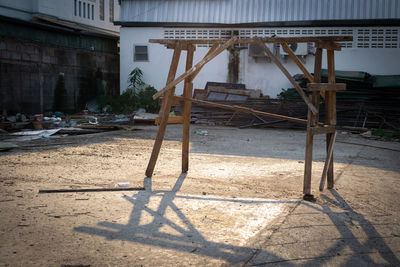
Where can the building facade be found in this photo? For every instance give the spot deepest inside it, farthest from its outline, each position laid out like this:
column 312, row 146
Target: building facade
column 41, row 40
column 373, row 24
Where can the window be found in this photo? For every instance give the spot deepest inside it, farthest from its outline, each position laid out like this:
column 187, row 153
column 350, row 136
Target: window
column 140, row 53
column 80, row 3
column 75, row 8
column 84, row 10
column 101, row 9
column 111, row 10
column 92, row 12
column 88, row 11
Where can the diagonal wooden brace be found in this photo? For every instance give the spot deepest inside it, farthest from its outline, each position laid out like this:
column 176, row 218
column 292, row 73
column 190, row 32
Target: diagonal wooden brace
column 327, row 162
column 287, row 74
column 196, row 68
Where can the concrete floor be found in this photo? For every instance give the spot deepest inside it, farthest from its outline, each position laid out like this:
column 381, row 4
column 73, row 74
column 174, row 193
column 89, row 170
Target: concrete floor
column 240, row 203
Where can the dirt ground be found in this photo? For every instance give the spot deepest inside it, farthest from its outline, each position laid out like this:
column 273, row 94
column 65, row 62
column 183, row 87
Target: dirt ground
column 239, row 204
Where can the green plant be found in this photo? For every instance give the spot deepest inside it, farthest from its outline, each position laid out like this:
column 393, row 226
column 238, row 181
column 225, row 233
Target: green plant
column 135, row 96
column 135, row 79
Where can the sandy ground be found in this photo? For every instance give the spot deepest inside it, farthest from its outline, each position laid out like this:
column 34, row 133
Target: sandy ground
column 239, row 204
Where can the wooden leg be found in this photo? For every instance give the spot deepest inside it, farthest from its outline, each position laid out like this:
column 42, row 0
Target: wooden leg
column 164, row 113
column 330, row 104
column 308, row 161
column 187, row 92
column 312, row 121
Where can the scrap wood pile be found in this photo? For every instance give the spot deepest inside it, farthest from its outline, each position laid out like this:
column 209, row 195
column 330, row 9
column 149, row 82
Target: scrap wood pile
column 368, row 102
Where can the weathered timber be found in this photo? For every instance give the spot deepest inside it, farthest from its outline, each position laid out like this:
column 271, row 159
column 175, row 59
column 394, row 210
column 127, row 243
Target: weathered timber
column 326, row 87
column 287, row 74
column 297, row 61
column 196, row 68
column 328, row 160
column 187, row 92
column 305, row 39
column 164, row 113
column 242, row 109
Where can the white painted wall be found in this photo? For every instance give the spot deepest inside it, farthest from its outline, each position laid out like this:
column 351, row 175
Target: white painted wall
column 256, row 75
column 268, row 78
column 156, row 69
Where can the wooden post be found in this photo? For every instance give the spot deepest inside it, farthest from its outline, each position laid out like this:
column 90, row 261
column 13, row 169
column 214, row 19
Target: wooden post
column 312, row 121
column 187, row 92
column 330, row 109
column 164, row 112
column 327, row 161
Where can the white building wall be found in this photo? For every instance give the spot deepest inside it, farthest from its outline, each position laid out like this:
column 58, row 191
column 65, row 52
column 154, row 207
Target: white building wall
column 374, row 50
column 156, row 69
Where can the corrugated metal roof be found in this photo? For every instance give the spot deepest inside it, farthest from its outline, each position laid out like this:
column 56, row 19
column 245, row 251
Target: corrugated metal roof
column 253, row 11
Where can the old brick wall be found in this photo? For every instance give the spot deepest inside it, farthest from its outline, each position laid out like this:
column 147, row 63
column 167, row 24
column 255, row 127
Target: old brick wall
column 28, row 67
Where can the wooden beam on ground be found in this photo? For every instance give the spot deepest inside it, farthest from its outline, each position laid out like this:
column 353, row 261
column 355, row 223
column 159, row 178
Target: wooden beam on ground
column 328, row 160
column 187, row 92
column 78, row 190
column 297, row 61
column 196, row 67
column 326, row 87
column 304, row 39
column 164, row 113
column 287, row 74
column 242, row 109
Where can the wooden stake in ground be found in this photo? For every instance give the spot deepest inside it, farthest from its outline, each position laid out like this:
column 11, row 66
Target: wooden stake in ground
column 164, row 112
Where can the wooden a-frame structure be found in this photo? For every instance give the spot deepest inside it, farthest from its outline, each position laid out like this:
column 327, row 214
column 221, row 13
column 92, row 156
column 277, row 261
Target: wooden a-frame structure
column 315, row 87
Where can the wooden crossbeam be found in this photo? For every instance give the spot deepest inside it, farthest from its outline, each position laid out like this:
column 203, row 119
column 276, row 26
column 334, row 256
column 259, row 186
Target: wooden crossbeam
column 287, row 74
column 328, row 161
column 304, row 39
column 242, row 109
column 322, row 130
column 297, row 61
column 328, row 44
column 326, row 87
column 196, row 68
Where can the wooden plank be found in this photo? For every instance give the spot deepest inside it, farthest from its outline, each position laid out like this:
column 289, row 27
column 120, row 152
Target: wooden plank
column 326, row 87
column 297, row 61
column 171, row 120
column 323, row 130
column 308, row 157
column 304, row 39
column 330, row 45
column 164, row 113
column 76, row 190
column 317, row 68
column 187, row 105
column 330, row 111
column 197, row 67
column 210, row 51
column 287, row 74
column 242, row 109
column 328, row 160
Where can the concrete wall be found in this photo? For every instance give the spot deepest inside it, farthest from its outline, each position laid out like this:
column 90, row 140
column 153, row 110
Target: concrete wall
column 255, row 73
column 23, row 63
